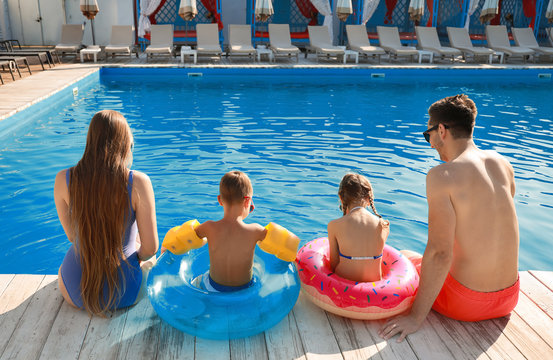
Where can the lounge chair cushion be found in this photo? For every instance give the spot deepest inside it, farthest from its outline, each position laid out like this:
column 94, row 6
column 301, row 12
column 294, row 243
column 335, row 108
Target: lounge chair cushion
column 209, row 49
column 277, row 48
column 368, row 49
column 67, row 47
column 242, row 49
column 118, row 49
column 158, row 49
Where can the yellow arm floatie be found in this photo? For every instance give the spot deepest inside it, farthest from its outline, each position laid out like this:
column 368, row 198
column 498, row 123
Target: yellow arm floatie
column 183, row 238
column 280, row 242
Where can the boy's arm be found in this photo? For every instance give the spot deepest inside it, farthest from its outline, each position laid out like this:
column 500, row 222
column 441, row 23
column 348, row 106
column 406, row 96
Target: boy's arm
column 204, row 229
column 260, row 232
column 181, row 239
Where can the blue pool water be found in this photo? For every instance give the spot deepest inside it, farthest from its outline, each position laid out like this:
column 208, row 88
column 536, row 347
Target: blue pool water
column 295, row 133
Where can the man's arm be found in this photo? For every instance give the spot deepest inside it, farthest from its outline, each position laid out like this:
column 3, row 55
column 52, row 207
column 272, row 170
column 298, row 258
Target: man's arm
column 437, row 257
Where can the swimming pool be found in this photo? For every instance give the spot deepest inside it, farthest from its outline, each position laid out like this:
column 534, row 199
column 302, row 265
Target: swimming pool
column 296, row 132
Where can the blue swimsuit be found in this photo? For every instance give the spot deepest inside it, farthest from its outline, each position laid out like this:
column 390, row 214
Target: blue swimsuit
column 71, row 271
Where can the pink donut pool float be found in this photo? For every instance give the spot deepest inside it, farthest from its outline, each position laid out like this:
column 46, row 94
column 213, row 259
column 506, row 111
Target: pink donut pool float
column 392, row 295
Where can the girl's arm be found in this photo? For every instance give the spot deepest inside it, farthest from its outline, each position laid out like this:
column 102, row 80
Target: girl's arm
column 61, row 198
column 333, row 245
column 144, row 206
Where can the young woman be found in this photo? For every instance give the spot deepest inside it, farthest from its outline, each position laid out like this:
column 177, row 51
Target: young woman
column 103, row 207
column 356, row 240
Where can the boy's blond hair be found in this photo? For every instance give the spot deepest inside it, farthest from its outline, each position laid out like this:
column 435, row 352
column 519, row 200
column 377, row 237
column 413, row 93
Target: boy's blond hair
column 234, row 186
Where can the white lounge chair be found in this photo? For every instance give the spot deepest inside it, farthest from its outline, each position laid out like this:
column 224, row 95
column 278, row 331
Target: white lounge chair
column 240, row 41
column 280, row 41
column 71, row 39
column 161, row 41
column 459, row 38
column 320, row 43
column 498, row 40
column 207, row 37
column 358, row 40
column 388, row 36
column 524, row 37
column 428, row 40
column 121, row 41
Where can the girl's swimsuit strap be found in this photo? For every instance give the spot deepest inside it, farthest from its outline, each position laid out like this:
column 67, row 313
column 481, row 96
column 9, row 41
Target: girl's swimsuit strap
column 360, row 257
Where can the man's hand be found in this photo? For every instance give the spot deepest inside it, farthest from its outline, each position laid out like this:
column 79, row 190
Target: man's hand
column 403, row 325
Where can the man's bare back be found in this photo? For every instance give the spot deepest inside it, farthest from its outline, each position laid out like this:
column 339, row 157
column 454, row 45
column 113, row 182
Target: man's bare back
column 480, row 185
column 469, row 270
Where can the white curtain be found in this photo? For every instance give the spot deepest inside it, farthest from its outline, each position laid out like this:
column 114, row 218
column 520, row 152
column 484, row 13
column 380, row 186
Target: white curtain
column 369, row 7
column 344, row 9
column 263, row 9
column 416, row 10
column 188, row 9
column 473, row 5
column 549, row 11
column 147, row 8
column 323, row 7
column 489, row 10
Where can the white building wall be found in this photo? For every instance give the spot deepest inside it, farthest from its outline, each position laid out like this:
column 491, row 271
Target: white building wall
column 233, row 12
column 5, row 29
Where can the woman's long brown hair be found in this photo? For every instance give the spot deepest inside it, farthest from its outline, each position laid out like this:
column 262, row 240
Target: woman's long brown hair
column 100, row 208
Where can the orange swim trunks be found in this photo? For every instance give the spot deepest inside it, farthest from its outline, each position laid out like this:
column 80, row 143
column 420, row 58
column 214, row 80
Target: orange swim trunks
column 458, row 302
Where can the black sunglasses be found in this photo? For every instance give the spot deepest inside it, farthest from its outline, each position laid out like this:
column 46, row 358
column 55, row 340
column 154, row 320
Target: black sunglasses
column 428, row 131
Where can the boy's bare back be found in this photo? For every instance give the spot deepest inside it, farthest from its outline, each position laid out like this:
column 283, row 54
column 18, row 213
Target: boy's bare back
column 231, row 245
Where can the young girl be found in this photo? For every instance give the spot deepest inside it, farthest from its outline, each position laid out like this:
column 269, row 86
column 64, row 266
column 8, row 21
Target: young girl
column 356, row 239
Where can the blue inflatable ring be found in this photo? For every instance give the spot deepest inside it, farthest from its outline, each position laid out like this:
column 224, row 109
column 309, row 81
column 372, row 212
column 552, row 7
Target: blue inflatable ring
column 221, row 316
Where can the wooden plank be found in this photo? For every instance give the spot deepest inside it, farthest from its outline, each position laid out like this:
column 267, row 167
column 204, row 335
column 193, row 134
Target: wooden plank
column 389, row 349
column 535, row 289
column 353, row 338
column 103, row 338
column 283, row 340
column 536, row 319
column 174, row 344
column 456, row 338
column 212, row 349
column 68, row 332
column 315, row 332
column 524, row 338
column 13, row 303
column 426, row 343
column 250, row 348
column 490, row 338
column 545, row 277
column 5, row 280
column 33, row 329
column 141, row 332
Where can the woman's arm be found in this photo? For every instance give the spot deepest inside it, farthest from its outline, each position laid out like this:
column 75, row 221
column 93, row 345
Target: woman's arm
column 143, row 202
column 61, row 198
column 333, row 245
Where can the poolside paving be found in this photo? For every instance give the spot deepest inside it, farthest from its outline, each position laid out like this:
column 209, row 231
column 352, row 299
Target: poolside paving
column 37, row 324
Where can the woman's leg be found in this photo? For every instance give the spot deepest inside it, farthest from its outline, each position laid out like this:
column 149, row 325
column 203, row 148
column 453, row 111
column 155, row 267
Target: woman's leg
column 63, row 290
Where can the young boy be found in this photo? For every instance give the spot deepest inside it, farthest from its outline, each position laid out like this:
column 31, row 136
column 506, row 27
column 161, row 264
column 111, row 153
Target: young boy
column 232, row 242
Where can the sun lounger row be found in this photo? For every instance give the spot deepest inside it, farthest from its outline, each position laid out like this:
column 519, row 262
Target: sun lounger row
column 208, row 42
column 320, row 43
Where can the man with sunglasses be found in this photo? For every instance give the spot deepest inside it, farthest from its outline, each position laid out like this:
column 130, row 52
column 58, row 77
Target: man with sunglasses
column 469, row 270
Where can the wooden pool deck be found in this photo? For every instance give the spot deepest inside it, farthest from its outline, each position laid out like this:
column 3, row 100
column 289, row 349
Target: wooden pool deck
column 36, row 323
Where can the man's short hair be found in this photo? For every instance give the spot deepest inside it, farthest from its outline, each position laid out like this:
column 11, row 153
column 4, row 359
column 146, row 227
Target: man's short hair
column 234, row 186
column 457, row 112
